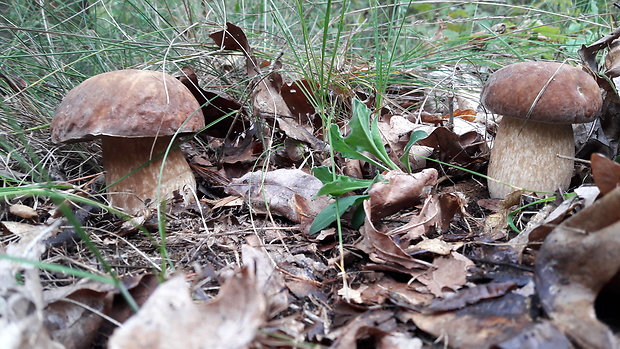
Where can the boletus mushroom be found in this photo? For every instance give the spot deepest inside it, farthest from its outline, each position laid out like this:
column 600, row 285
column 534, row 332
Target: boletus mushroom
column 135, row 113
column 538, row 101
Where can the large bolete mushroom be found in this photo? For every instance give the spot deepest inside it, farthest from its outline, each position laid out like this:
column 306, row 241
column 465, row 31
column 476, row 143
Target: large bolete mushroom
column 135, row 113
column 539, row 101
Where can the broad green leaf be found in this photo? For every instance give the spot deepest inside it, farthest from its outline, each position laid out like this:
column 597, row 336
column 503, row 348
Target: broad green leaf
column 415, row 137
column 329, row 214
column 343, row 185
column 323, row 173
column 340, row 146
column 364, row 137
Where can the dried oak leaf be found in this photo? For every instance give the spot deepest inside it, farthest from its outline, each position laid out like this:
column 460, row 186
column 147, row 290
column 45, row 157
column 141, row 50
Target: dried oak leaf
column 232, row 38
column 214, row 105
column 575, row 262
column 476, row 326
column 70, row 315
column 606, row 173
column 399, row 191
column 450, row 273
column 382, row 248
column 285, row 192
column 171, row 319
column 369, row 325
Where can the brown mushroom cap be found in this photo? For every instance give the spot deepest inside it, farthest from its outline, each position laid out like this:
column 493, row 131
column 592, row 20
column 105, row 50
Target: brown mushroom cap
column 572, row 96
column 126, row 103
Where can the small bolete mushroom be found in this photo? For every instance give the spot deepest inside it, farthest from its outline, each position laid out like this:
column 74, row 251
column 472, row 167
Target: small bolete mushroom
column 135, row 113
column 539, row 101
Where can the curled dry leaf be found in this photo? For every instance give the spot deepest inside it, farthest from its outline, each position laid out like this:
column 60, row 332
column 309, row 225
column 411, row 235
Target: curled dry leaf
column 450, row 273
column 402, row 191
column 72, row 313
column 464, row 150
column 612, row 60
column 436, row 213
column 575, row 262
column 470, row 296
column 214, row 105
column 537, row 335
column 369, row 325
column 231, row 38
column 382, row 248
column 480, row 325
column 170, row 319
column 606, row 173
column 269, row 281
column 288, row 193
column 23, row 211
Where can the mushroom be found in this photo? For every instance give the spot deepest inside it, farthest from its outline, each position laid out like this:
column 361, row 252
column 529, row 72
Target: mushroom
column 135, row 113
column 538, row 101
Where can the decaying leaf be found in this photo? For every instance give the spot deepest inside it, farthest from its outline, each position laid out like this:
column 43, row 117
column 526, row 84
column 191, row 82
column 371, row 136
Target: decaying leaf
column 537, row 335
column 612, row 60
column 288, row 193
column 450, row 273
column 72, row 313
column 269, row 280
column 400, row 191
column 371, row 324
column 464, row 150
column 231, row 38
column 575, row 262
column 469, row 296
column 23, row 211
column 383, row 249
column 216, row 106
column 606, row 173
column 476, row 326
column 170, row 319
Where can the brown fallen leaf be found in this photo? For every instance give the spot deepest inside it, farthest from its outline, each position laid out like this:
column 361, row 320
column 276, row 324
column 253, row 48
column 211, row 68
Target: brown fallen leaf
column 72, row 313
column 382, row 248
column 269, row 281
column 288, row 193
column 470, row 296
column 232, row 38
column 425, row 221
column 575, row 262
column 369, row 325
column 480, row 325
column 538, row 335
column 23, row 211
column 450, row 273
column 170, row 319
column 215, row 105
column 401, row 191
column 606, row 173
column 387, row 288
column 612, row 60
column 464, row 150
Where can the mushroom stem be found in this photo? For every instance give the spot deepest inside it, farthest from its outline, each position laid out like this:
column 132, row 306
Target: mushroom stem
column 122, row 155
column 525, row 155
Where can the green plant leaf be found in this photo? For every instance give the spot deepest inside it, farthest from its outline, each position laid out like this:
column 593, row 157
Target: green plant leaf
column 364, row 137
column 341, row 146
column 329, row 214
column 342, row 184
column 323, row 173
column 415, row 137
